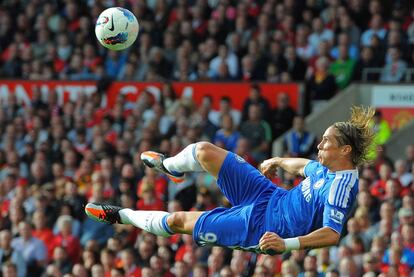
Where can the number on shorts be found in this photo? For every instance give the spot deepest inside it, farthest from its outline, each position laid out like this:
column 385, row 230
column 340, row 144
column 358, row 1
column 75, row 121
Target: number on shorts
column 208, row 237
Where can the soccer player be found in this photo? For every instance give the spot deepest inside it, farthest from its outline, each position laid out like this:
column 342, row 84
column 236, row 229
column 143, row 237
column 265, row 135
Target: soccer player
column 264, row 218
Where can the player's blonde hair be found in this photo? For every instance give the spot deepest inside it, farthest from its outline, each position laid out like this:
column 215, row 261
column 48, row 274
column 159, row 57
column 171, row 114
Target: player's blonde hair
column 357, row 133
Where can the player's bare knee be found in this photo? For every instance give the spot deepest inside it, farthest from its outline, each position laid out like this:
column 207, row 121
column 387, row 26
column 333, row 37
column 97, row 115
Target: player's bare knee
column 203, row 150
column 176, row 220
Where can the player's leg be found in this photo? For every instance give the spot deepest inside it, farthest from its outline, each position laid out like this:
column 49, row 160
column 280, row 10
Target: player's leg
column 183, row 222
column 160, row 223
column 210, row 157
column 240, row 182
column 196, row 157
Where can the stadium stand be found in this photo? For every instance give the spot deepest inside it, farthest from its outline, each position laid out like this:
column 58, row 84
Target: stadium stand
column 56, row 157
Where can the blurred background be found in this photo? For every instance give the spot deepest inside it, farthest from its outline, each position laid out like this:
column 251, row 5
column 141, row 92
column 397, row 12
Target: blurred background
column 260, row 78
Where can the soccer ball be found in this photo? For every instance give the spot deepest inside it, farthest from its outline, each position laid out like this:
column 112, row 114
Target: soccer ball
column 116, row 28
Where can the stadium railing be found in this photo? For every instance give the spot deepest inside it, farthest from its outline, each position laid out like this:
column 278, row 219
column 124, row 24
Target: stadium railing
column 376, row 71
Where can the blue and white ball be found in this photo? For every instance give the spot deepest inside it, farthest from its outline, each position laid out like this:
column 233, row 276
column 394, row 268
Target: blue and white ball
column 116, row 28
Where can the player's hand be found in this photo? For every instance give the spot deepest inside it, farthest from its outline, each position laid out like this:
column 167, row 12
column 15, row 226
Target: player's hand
column 268, row 167
column 271, row 243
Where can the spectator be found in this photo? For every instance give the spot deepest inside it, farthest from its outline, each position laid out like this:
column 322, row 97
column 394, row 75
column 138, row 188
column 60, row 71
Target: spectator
column 258, row 132
column 369, row 210
column 201, row 72
column 107, row 259
column 225, row 108
column 400, row 173
column 215, row 261
column 367, row 60
column 42, row 232
column 370, row 264
column 347, row 267
column 222, row 73
column 226, row 57
column 115, row 63
column 238, row 263
column 282, row 115
column 96, row 231
column 61, row 260
column 407, row 236
column 409, row 153
column 9, row 269
column 208, row 128
column 304, row 49
column 395, row 264
column 243, row 150
column 310, row 267
column 227, row 136
column 298, row 142
column 381, row 128
column 394, row 70
column 378, row 49
column 378, row 188
column 162, row 68
column 344, row 40
column 320, row 33
column 10, row 255
column 276, row 56
column 148, row 199
column 294, row 65
column 34, row 250
column 347, row 26
column 249, row 70
column 129, row 266
column 180, row 269
column 290, row 268
column 320, row 87
column 97, row 270
column 376, row 29
column 169, row 99
column 255, row 97
column 354, row 231
column 343, row 67
column 66, row 240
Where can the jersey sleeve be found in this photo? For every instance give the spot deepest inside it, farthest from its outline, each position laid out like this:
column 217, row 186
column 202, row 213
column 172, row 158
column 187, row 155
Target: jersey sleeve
column 339, row 200
column 334, row 217
column 310, row 167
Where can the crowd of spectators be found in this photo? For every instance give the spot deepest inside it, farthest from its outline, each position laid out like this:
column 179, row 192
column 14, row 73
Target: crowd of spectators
column 55, row 157
column 221, row 40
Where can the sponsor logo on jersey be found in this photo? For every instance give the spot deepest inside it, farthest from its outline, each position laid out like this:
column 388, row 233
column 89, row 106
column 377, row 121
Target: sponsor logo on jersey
column 319, row 184
column 337, row 216
column 306, row 189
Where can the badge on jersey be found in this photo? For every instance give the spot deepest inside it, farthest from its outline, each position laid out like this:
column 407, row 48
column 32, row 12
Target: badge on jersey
column 337, row 216
column 319, row 184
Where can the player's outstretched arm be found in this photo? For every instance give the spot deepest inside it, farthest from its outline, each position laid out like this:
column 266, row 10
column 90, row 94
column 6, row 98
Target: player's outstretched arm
column 292, row 165
column 320, row 238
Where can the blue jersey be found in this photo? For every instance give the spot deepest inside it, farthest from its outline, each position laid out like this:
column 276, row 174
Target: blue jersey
column 323, row 199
